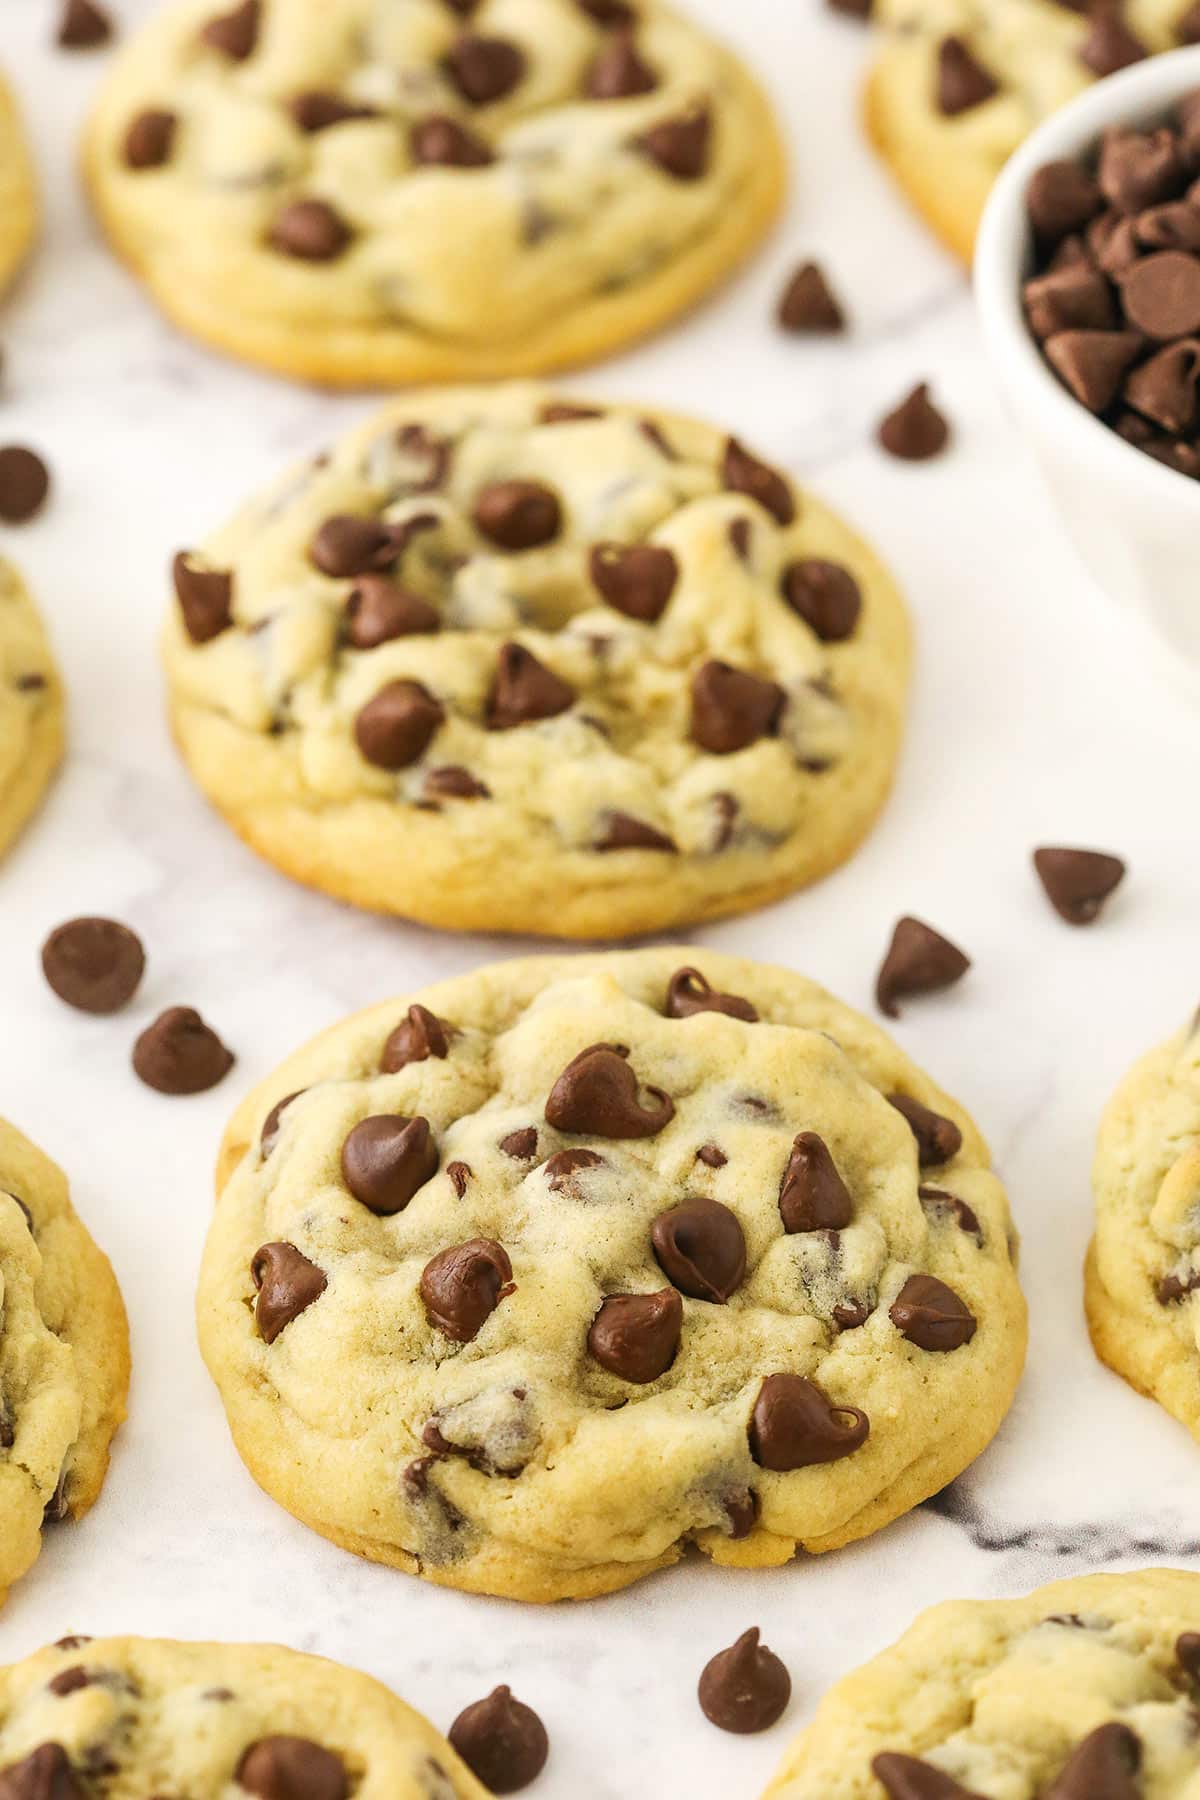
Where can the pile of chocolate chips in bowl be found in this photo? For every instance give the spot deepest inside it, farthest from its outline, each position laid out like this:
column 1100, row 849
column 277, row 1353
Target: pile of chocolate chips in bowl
column 1115, row 301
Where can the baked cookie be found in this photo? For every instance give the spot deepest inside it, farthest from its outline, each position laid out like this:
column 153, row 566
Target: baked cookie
column 958, row 84
column 64, row 1357
column 149, row 1716
column 512, row 663
column 526, row 1283
column 18, row 202
column 1080, row 1689
column 1144, row 1263
column 31, row 706
column 385, row 191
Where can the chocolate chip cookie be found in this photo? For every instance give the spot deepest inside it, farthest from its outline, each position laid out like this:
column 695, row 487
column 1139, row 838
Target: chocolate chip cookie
column 1084, row 1688
column 366, row 194
column 506, row 661
column 18, row 199
column 31, row 706
column 64, row 1358
column 149, row 1716
column 527, row 1282
column 959, row 84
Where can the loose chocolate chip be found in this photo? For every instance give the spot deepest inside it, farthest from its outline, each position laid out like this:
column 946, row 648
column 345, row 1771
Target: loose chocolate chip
column 205, row 598
column 908, row 1778
column 149, row 139
column 598, row 1094
column 521, row 1144
column 518, row 515
column 732, row 709
column 396, row 728
column 524, row 690
column 44, row 1775
column 69, row 1681
column 1110, row 45
column 1138, row 169
column 346, row 544
column 689, row 992
column 268, row 1137
column 621, row 831
column 1165, row 388
column 379, row 610
column 938, row 1139
column 562, row 1170
column 794, row 1425
column 292, row 1768
column 636, row 1336
column 701, row 1247
column 235, row 34
column 318, row 110
column 1161, row 294
column 931, row 1315
column 419, row 1035
column 83, row 25
column 637, row 579
column 1187, row 1654
column 502, row 1741
column 680, row 146
column 451, row 782
column 180, row 1054
column 825, row 595
column 962, row 81
column 24, row 484
column 808, row 303
column 310, row 230
column 462, row 1287
column 618, row 72
column 1062, row 197
column 386, row 1158
column 1092, row 363
column 745, row 1688
column 484, row 69
column 1074, row 298
column 812, row 1194
column 742, row 473
column 287, row 1283
column 1102, row 1767
column 94, row 964
column 919, row 961
column 444, row 143
column 916, row 430
column 1078, row 882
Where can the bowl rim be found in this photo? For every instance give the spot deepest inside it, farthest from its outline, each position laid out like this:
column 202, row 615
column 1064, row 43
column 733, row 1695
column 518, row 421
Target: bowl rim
column 1140, row 95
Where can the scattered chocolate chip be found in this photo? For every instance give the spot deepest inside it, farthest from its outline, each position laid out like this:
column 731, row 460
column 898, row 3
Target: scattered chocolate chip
column 688, row 992
column 1174, row 1288
column 931, row 1315
column 680, row 147
column 939, row 1139
column 919, row 961
column 812, row 1194
column 962, row 81
column 24, row 484
column 1092, row 363
column 46, row 1774
column 621, row 831
column 521, row 1144
column 149, row 139
column 637, row 579
column 1102, row 1767
column 598, row 1094
column 1078, row 882
column 794, row 1425
column 916, row 430
column 442, row 142
column 742, row 473
column 268, row 1137
column 700, row 1246
column 908, row 1778
column 292, row 1768
column 419, row 1035
column 235, row 34
column 562, row 1170
column 462, row 1287
column 618, row 71
column 317, row 110
column 93, row 964
column 732, row 709
column 451, row 782
column 396, row 728
column 287, row 1282
column 180, row 1054
column 379, row 610
column 311, row 230
column 808, row 304
column 484, row 69
column 1110, row 45
column 524, row 690
column 1062, row 197
column 347, row 544
column 825, row 595
column 636, row 1336
column 518, row 515
column 386, row 1158
column 745, row 1688
column 83, row 25
column 502, row 1741
column 205, row 598
column 69, row 1681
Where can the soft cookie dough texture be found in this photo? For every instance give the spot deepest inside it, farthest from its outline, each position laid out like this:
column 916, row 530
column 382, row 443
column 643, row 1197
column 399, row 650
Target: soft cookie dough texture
column 518, row 1418
column 148, row 1716
column 64, row 1357
column 18, row 202
column 31, row 707
column 1030, row 48
column 543, row 772
column 1143, row 1269
column 490, row 217
column 1081, row 1689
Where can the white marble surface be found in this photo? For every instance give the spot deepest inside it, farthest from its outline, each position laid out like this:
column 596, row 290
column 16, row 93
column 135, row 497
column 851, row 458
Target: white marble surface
column 1037, row 716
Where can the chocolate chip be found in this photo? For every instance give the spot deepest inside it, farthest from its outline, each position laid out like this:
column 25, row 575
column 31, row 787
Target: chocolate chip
column 700, row 1246
column 919, row 961
column 379, row 610
column 83, row 25
column 745, row 1688
column 292, row 1768
column 484, row 69
column 451, row 782
column 808, row 304
column 618, row 72
column 942, row 1205
column 386, row 1158
column 732, row 709
column 1161, row 294
column 310, row 230
column 1187, row 29
column 419, row 1035
column 1112, row 243
column 24, row 484
column 608, row 13
column 521, row 1144
column 852, row 9
column 268, row 1137
column 598, row 1094
column 908, row 1778
column 1175, row 226
column 346, row 544
column 825, row 595
column 458, row 1174
column 462, row 1287
column 518, row 515
column 1102, row 1767
column 637, row 579
column 939, row 1140
column 712, row 1156
column 180, row 1054
column 794, row 1425
column 962, row 81
column 442, row 142
column 1074, row 298
column 562, row 1170
column 68, row 1681
column 1187, row 1654
column 680, row 146
column 1092, row 363
column 524, row 690
column 1110, row 45
column 636, row 1336
column 93, row 964
column 502, row 1741
column 916, row 430
column 1078, row 882
column 688, row 992
column 1138, row 169
column 1062, row 197
column 149, row 139
column 742, row 473
column 234, row 34
column 396, row 728
column 318, row 110
column 812, row 1194
column 46, row 1774
column 287, row 1283
column 567, row 412
column 1165, row 388
column 205, row 598
column 621, row 831
column 931, row 1315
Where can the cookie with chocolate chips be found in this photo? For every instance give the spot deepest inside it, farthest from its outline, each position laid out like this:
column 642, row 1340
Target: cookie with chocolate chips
column 529, row 1283
column 18, row 195
column 31, row 706
column 1082, row 1689
column 505, row 662
column 371, row 195
column 87, row 1715
column 64, row 1360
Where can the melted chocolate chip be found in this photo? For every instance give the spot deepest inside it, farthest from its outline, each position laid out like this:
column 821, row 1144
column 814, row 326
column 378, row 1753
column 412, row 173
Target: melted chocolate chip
column 484, row 69
column 732, row 709
column 502, row 1741
column 462, row 1287
column 680, row 146
column 180, row 1054
column 939, row 1139
column 919, row 961
column 598, row 1094
column 396, row 728
column 419, row 1035
column 521, row 1145
column 205, row 598
column 745, row 1688
column 812, row 1195
column 962, row 81
column 234, row 34
column 83, row 25
column 636, row 1336
column 311, row 231
column 292, row 1768
column 1078, row 882
column 46, row 1774
column 931, row 1315
column 1174, row 1288
column 379, row 610
column 941, row 1204
column 524, row 690
column 268, row 1137
column 24, row 484
column 688, row 992
column 825, row 595
column 621, row 831
column 742, row 473
column 1102, row 1767
column 69, row 1681
column 700, row 1247
column 518, row 515
column 618, row 71
column 149, row 139
column 317, row 110
column 1110, row 45
column 386, row 1158
column 348, row 544
column 636, row 579
column 562, row 1170
column 94, row 964
column 793, row 1425
column 712, row 1156
column 287, row 1283
column 442, row 142
column 1187, row 1654
column 451, row 782
column 908, row 1778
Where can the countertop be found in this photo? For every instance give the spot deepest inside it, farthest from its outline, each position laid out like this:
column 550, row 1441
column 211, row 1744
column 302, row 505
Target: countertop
column 1038, row 716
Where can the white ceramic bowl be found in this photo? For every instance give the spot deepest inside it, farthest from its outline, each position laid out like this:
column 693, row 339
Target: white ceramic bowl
column 1135, row 522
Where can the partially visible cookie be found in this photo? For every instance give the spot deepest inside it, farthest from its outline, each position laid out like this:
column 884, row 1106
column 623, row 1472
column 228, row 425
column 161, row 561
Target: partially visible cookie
column 64, row 1357
column 31, row 705
column 18, row 198
column 506, row 661
column 1081, row 1689
column 373, row 195
column 528, row 1281
column 150, row 1716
